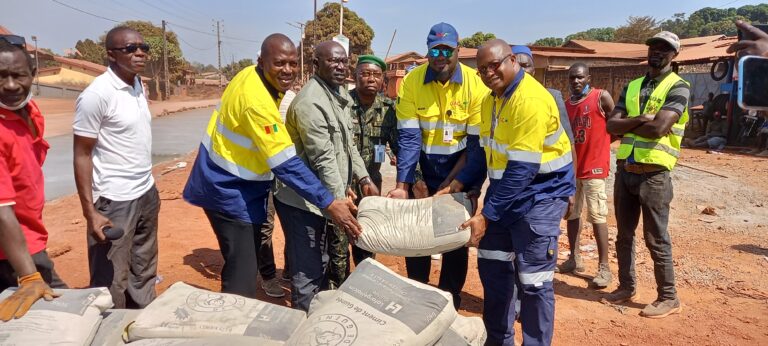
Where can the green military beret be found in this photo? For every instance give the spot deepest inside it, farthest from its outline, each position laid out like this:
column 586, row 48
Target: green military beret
column 372, row 59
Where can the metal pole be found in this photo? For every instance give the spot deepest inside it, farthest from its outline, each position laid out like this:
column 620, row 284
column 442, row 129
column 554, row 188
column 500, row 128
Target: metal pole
column 390, row 44
column 341, row 17
column 165, row 63
column 218, row 42
column 300, row 26
column 37, row 66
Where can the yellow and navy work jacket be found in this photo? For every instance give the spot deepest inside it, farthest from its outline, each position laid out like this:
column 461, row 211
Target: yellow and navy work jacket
column 244, row 144
column 662, row 151
column 526, row 150
column 426, row 108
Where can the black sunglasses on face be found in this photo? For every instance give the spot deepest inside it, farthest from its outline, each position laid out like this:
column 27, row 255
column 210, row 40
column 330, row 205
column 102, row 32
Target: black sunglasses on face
column 132, row 48
column 14, row 40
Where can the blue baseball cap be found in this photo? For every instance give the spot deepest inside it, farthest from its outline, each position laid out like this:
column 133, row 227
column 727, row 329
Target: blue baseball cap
column 522, row 50
column 443, row 34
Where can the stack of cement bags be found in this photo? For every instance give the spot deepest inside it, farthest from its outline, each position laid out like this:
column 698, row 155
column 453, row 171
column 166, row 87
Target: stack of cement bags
column 71, row 319
column 375, row 306
column 413, row 227
column 184, row 312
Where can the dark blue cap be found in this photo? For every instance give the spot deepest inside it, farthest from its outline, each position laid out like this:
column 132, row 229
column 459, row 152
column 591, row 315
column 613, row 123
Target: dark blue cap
column 443, row 34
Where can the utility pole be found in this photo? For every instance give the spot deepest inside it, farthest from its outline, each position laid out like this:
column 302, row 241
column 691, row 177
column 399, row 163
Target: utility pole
column 341, row 17
column 390, row 44
column 165, row 64
column 300, row 26
column 218, row 42
column 37, row 65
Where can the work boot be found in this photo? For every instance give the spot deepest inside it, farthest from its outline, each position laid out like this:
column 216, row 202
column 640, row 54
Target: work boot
column 662, row 308
column 572, row 264
column 285, row 276
column 603, row 277
column 620, row 295
column 272, row 288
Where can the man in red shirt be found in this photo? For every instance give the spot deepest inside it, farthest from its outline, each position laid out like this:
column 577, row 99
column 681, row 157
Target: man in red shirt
column 587, row 108
column 23, row 238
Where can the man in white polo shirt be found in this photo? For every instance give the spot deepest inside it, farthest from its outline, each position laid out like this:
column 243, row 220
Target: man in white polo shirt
column 113, row 172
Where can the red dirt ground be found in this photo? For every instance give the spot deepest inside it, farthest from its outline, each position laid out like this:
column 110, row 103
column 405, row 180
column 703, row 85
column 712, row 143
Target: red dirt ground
column 721, row 261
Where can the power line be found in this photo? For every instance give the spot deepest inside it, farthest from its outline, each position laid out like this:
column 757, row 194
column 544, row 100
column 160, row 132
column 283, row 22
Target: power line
column 86, row 12
column 166, row 11
column 212, row 34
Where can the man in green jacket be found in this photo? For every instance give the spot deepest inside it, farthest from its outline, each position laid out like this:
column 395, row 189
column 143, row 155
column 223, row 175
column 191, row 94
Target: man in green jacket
column 320, row 124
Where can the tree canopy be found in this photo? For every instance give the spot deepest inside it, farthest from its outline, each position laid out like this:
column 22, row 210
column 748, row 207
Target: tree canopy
column 476, row 40
column 326, row 27
column 637, row 30
column 548, row 42
column 594, row 34
column 233, row 68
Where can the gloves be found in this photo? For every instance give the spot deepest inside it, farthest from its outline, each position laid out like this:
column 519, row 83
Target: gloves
column 31, row 288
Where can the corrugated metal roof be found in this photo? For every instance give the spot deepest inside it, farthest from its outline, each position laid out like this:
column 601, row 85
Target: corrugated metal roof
column 706, row 52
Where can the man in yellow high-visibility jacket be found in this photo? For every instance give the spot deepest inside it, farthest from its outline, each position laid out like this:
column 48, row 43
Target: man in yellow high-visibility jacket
column 650, row 116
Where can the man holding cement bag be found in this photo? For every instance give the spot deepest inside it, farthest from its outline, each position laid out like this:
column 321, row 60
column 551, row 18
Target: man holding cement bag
column 528, row 159
column 438, row 113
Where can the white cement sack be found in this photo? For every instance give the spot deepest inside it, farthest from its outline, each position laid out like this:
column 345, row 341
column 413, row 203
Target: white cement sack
column 465, row 331
column 187, row 312
column 375, row 306
column 413, row 227
column 229, row 340
column 71, row 319
column 113, row 326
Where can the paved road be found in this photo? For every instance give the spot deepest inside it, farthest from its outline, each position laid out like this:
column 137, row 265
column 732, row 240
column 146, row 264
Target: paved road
column 172, row 136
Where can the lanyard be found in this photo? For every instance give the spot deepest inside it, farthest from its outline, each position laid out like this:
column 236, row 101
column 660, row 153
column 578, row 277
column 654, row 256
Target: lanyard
column 495, row 115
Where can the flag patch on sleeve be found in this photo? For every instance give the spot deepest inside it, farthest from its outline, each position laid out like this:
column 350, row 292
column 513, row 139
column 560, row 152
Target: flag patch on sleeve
column 270, row 128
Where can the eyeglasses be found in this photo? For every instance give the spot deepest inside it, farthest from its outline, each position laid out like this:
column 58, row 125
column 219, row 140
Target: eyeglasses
column 369, row 74
column 493, row 66
column 132, row 48
column 435, row 52
column 15, row 40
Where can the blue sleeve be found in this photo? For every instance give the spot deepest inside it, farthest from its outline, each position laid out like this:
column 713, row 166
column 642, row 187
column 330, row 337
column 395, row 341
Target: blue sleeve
column 517, row 176
column 409, row 141
column 475, row 170
column 297, row 176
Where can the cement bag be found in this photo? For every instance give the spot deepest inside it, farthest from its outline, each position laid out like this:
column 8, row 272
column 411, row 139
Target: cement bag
column 375, row 306
column 113, row 326
column 229, row 340
column 71, row 319
column 413, row 227
column 187, row 312
column 465, row 331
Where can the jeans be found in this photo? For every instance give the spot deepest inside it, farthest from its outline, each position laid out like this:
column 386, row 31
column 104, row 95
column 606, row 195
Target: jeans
column 649, row 193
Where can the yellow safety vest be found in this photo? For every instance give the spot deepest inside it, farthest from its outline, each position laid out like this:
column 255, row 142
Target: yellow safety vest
column 662, row 151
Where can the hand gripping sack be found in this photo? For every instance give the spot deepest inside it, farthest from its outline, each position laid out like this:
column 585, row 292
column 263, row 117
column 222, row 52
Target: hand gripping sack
column 375, row 306
column 71, row 319
column 184, row 311
column 413, row 227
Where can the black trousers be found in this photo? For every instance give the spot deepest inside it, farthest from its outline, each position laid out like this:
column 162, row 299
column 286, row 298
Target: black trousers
column 266, row 255
column 239, row 242
column 649, row 193
column 453, row 272
column 128, row 266
column 44, row 265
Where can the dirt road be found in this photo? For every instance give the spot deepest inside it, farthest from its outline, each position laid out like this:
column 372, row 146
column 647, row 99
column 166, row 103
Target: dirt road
column 721, row 260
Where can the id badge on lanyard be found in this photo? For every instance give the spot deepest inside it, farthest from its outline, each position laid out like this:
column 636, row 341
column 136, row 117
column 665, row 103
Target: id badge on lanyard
column 379, row 151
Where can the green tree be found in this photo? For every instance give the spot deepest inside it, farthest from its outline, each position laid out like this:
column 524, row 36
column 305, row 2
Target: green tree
column 594, row 34
column 326, row 27
column 232, row 69
column 678, row 24
column 476, row 40
column 548, row 42
column 637, row 30
column 89, row 50
column 153, row 36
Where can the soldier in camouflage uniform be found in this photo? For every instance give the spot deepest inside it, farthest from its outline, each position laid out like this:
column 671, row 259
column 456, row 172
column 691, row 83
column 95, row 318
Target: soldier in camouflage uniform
column 374, row 125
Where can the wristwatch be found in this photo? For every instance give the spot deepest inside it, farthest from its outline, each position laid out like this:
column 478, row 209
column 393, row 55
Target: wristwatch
column 364, row 181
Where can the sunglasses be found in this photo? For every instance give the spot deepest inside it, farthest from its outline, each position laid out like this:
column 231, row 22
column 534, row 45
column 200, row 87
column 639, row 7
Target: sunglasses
column 14, row 40
column 436, row 52
column 132, row 48
column 493, row 66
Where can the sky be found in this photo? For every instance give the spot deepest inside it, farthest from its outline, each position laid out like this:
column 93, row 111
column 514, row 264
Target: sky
column 245, row 23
